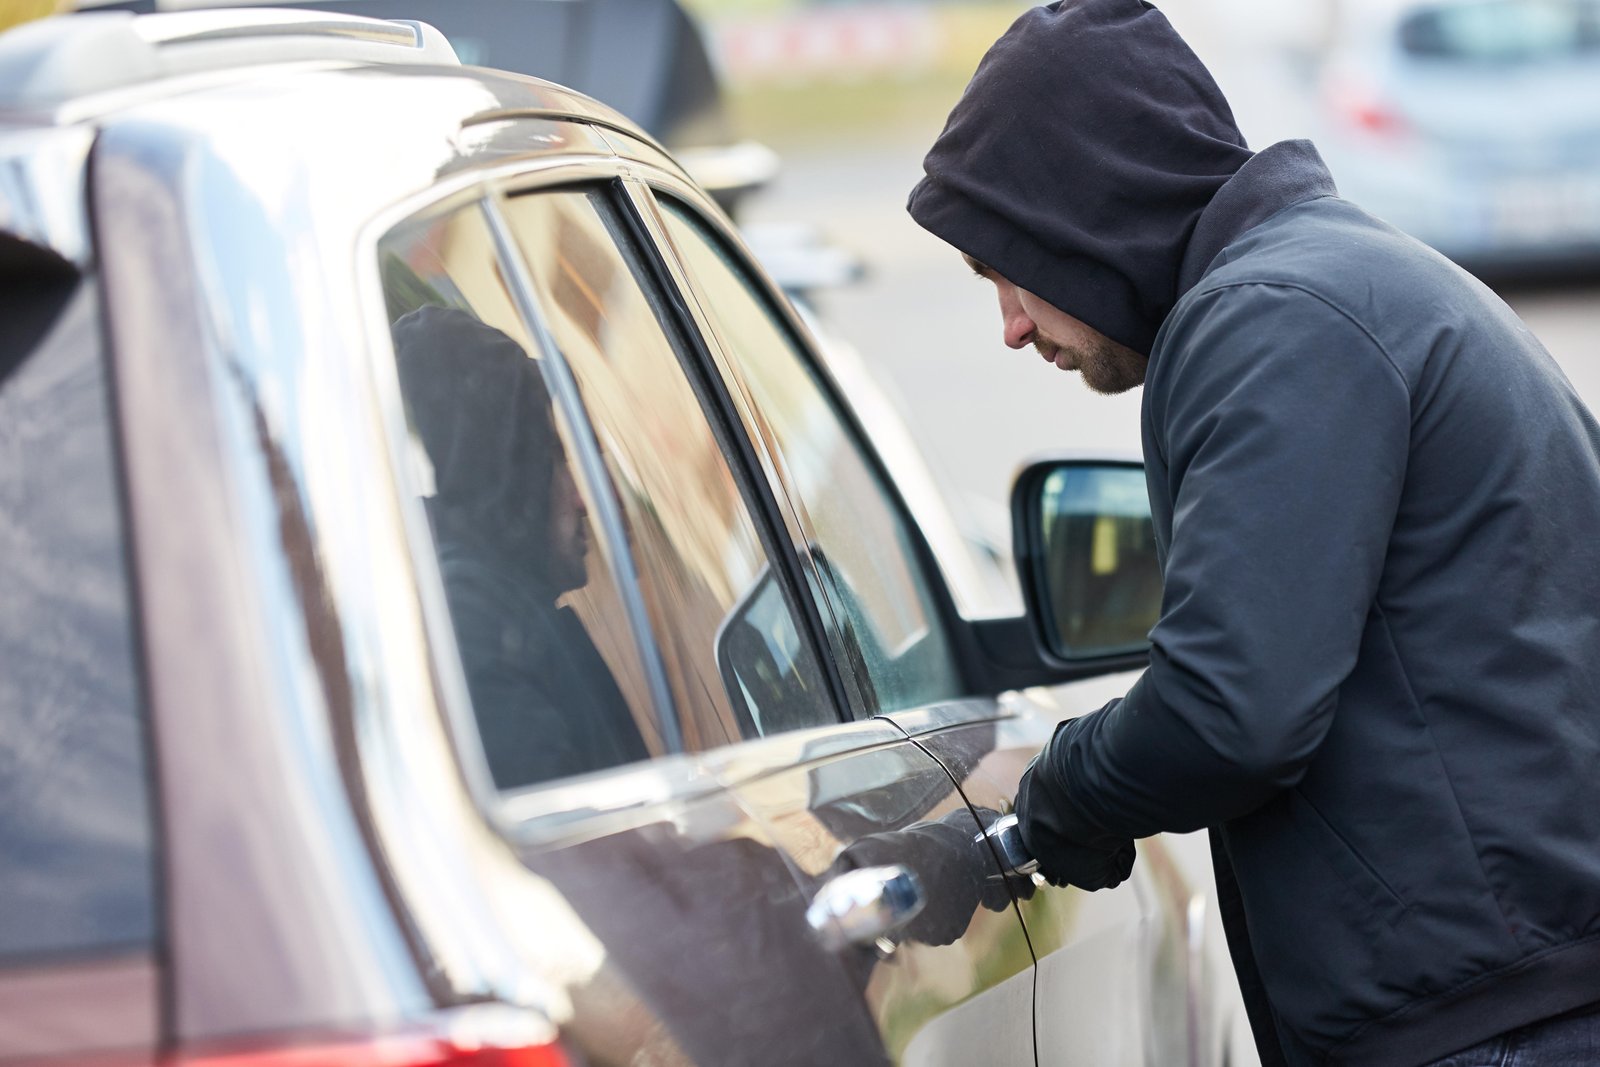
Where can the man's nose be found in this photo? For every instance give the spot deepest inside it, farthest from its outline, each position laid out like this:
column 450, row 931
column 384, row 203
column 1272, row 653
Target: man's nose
column 1016, row 325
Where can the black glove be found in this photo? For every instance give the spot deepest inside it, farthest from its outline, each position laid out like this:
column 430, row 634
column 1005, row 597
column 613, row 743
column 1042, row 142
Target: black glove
column 1043, row 813
column 951, row 864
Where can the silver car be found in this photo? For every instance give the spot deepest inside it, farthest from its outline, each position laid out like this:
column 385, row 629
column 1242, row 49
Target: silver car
column 450, row 615
column 1473, row 125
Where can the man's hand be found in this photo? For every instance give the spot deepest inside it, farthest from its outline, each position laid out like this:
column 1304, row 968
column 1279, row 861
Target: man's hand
column 1062, row 860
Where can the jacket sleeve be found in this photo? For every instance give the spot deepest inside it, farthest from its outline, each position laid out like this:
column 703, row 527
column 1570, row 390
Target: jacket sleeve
column 1284, row 428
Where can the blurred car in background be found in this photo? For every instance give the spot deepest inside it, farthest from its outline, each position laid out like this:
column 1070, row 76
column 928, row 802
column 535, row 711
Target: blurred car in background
column 1474, row 125
column 451, row 616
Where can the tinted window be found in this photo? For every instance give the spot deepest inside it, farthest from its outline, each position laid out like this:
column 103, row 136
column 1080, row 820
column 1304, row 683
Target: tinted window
column 550, row 659
column 734, row 659
column 1504, row 30
column 871, row 587
column 76, row 869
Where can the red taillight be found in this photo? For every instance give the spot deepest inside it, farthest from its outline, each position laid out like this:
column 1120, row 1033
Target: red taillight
column 383, row 1052
column 1359, row 106
column 457, row 1042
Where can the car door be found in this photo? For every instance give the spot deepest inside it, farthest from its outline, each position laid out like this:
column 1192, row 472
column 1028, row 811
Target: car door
column 969, row 1000
column 651, row 795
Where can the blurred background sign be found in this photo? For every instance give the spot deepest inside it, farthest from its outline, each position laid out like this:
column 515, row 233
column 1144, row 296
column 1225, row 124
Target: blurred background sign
column 14, row 12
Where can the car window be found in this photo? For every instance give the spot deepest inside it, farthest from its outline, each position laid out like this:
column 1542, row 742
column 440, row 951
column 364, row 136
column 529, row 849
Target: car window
column 549, row 656
column 734, row 657
column 1504, row 31
column 872, row 590
column 76, row 851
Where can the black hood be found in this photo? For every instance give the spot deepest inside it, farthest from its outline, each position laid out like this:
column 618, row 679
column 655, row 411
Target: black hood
column 1079, row 159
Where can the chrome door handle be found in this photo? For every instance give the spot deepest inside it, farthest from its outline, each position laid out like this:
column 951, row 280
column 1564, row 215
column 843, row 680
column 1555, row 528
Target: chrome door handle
column 1006, row 837
column 865, row 904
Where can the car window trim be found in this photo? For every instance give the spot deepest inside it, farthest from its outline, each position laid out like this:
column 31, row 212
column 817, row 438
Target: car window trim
column 765, row 463
column 710, row 389
column 592, row 464
column 967, row 653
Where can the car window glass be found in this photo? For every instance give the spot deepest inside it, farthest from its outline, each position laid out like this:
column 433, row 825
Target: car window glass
column 1504, row 31
column 76, row 852
column 872, row 589
column 550, row 660
column 734, row 658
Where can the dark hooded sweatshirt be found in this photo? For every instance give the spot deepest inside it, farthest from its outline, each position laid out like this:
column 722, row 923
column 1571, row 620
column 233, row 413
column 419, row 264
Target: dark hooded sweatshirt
column 1376, row 673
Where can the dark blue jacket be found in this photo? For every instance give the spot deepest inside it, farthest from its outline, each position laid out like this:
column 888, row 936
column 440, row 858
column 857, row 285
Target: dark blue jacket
column 1376, row 673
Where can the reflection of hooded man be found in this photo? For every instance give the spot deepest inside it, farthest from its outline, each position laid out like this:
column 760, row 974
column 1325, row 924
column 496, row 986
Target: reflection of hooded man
column 512, row 534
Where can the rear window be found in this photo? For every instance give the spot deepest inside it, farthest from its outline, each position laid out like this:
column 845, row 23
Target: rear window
column 1504, row 31
column 76, row 869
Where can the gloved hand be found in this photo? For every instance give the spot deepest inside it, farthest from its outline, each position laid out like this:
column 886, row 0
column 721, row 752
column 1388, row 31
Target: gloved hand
column 951, row 864
column 1064, row 860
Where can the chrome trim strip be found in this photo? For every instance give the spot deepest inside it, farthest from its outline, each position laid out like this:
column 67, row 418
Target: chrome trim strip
column 579, row 808
column 945, row 714
column 593, row 465
column 645, row 177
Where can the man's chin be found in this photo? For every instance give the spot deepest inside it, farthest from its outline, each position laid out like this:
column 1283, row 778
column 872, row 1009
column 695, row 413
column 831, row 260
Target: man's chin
column 1110, row 381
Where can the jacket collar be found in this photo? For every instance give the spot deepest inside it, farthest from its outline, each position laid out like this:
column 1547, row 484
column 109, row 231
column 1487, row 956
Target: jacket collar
column 1277, row 177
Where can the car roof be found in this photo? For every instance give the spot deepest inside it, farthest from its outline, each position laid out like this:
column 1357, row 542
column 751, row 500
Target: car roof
column 90, row 65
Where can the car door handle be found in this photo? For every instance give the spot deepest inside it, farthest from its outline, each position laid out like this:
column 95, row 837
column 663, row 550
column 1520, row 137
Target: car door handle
column 1006, row 837
column 864, row 905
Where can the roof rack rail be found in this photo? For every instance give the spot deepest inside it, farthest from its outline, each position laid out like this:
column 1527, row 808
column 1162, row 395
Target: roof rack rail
column 64, row 57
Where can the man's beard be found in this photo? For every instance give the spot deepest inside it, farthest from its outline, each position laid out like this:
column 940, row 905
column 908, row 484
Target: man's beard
column 1107, row 367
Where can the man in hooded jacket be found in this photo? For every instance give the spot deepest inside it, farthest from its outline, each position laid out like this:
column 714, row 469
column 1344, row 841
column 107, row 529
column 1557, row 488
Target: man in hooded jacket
column 1376, row 672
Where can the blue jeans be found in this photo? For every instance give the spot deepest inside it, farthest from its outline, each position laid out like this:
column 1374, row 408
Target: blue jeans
column 1567, row 1041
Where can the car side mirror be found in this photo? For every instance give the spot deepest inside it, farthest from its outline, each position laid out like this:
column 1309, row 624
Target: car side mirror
column 1086, row 552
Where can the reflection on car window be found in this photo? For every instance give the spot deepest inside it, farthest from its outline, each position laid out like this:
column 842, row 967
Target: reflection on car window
column 76, row 851
column 548, row 655
column 871, row 588
column 734, row 658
